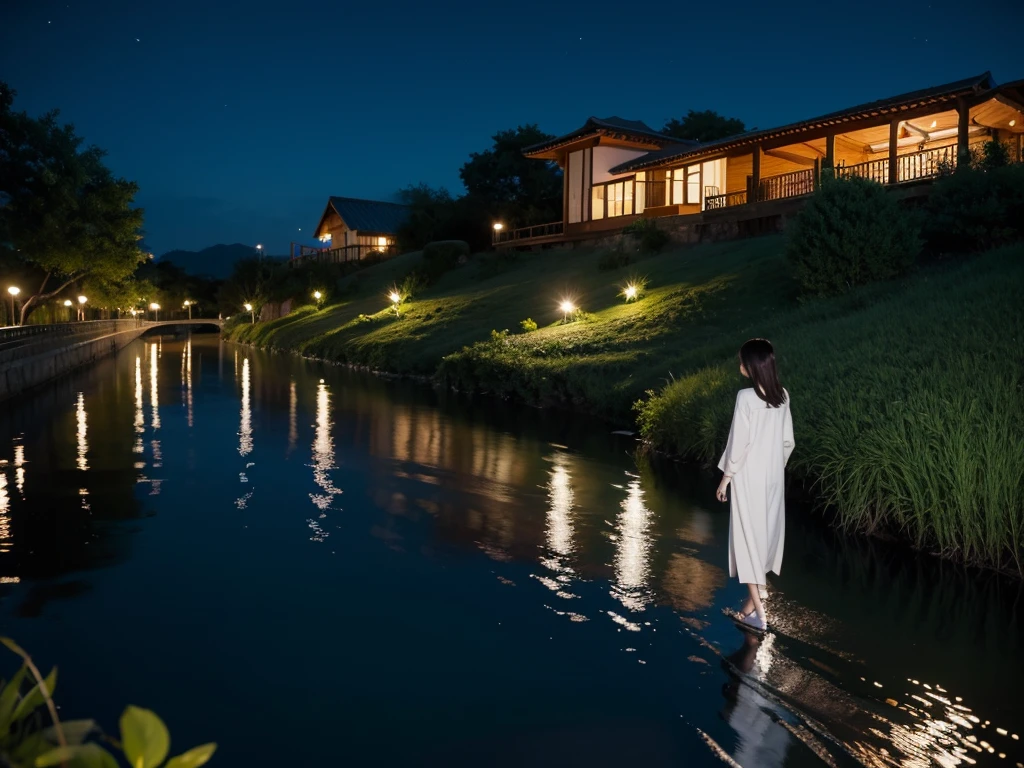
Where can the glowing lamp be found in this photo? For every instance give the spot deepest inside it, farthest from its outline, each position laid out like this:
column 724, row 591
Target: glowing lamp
column 154, row 305
column 248, row 307
column 67, row 302
column 395, row 298
column 14, row 291
column 82, row 299
column 1013, row 123
column 567, row 307
column 498, row 226
column 630, row 292
column 317, row 295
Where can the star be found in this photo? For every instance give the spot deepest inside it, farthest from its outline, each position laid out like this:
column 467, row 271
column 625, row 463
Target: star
column 137, row 40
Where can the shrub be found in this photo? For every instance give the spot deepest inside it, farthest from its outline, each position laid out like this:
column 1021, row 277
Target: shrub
column 528, row 325
column 851, row 232
column 650, row 236
column 443, row 256
column 976, row 209
column 614, row 259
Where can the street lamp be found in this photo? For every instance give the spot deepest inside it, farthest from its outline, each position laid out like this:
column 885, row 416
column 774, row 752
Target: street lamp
column 567, row 308
column 188, row 306
column 81, row 307
column 156, row 308
column 14, row 291
column 252, row 313
column 319, row 298
column 498, row 226
column 259, row 251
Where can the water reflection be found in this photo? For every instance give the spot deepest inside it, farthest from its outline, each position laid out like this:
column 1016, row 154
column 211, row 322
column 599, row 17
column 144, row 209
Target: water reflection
column 293, row 416
column 186, row 379
column 559, row 528
column 5, row 515
column 323, row 455
column 154, row 397
column 19, row 467
column 83, row 446
column 632, row 550
column 245, row 427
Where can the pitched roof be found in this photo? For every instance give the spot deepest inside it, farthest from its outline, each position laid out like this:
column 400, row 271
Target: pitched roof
column 614, row 125
column 936, row 94
column 369, row 215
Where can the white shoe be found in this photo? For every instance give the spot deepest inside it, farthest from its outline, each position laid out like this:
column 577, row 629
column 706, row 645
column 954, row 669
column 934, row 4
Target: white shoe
column 753, row 621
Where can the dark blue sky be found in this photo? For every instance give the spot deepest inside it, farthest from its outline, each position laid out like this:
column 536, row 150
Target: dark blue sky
column 239, row 119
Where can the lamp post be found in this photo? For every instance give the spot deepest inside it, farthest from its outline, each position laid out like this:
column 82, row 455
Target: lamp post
column 67, row 306
column 259, row 251
column 396, row 299
column 498, row 226
column 567, row 308
column 188, row 306
column 81, row 308
column 318, row 297
column 156, row 308
column 252, row 313
column 14, row 291
column 135, row 316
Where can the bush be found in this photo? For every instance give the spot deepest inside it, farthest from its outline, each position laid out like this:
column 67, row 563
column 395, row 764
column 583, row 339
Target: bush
column 850, row 233
column 614, row 259
column 528, row 325
column 650, row 236
column 443, row 256
column 976, row 209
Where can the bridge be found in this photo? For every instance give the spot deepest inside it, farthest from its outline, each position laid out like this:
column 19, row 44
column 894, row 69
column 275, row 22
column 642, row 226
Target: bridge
column 31, row 355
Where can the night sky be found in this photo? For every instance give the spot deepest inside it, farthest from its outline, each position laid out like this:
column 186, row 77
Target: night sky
column 239, row 119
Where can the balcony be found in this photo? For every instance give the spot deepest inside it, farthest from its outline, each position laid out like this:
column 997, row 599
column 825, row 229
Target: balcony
column 341, row 254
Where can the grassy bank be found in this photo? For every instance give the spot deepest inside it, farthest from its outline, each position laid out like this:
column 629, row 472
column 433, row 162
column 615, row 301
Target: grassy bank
column 907, row 395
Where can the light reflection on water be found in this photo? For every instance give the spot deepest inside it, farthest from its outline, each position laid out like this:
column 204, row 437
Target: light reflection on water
column 616, row 556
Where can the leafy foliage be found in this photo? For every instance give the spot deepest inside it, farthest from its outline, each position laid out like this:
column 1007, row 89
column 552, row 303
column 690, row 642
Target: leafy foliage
column 851, row 232
column 978, row 207
column 703, row 126
column 528, row 325
column 65, row 216
column 26, row 741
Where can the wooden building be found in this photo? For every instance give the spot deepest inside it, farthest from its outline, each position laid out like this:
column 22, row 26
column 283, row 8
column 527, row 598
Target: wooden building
column 616, row 171
column 350, row 229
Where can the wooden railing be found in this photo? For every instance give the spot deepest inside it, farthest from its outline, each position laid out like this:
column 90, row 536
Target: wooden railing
column 876, row 170
column 926, row 164
column 502, row 236
column 343, row 254
column 786, row 185
column 728, row 200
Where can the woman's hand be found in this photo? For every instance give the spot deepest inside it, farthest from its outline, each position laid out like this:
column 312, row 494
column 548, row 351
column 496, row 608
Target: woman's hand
column 720, row 493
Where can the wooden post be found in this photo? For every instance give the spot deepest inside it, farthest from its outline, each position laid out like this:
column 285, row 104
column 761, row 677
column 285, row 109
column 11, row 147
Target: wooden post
column 817, row 173
column 963, row 121
column 894, row 135
column 755, row 175
column 1020, row 155
column 830, row 150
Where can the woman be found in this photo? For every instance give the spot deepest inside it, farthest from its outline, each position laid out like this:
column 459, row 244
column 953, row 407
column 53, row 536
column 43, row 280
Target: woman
column 760, row 443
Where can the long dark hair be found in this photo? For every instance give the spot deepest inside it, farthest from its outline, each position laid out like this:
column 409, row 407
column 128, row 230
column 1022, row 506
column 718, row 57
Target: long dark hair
column 758, row 358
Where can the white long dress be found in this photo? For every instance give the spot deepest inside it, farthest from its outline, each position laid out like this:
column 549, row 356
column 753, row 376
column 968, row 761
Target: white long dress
column 760, row 443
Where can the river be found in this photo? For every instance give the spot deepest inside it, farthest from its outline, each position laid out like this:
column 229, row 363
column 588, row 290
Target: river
column 313, row 566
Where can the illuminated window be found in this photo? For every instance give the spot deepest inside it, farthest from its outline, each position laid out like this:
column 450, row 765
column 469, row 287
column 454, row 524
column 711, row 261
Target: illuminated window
column 641, row 191
column 693, row 185
column 382, row 242
column 597, row 203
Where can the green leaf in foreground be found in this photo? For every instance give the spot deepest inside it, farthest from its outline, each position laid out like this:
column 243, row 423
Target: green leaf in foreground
column 144, row 737
column 83, row 756
column 36, row 697
column 193, row 758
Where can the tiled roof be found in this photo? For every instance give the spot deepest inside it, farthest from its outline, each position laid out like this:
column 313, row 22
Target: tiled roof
column 596, row 125
column 370, row 215
column 910, row 100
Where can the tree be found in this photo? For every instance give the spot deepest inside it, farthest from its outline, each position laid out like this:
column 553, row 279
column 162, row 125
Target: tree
column 704, row 126
column 510, row 185
column 64, row 216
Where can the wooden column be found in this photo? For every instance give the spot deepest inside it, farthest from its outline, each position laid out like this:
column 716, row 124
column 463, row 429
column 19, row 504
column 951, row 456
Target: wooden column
column 963, row 152
column 894, row 135
column 755, row 175
column 1020, row 155
column 830, row 150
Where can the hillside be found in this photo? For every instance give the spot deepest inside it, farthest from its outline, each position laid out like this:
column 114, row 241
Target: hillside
column 215, row 261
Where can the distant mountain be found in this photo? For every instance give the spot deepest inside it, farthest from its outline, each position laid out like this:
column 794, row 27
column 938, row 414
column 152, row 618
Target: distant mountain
column 215, row 261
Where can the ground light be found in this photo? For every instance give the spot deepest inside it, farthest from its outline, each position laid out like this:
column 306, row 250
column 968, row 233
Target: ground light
column 631, row 292
column 319, row 298
column 252, row 313
column 567, row 308
column 396, row 299
column 14, row 291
